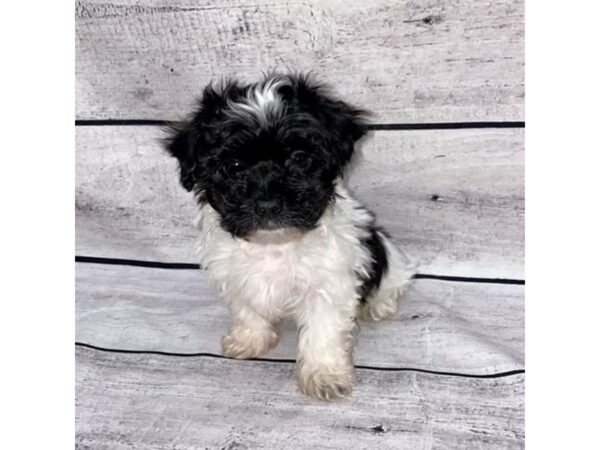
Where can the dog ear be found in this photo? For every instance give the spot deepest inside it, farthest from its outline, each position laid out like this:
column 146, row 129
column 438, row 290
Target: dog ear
column 345, row 123
column 183, row 145
column 192, row 141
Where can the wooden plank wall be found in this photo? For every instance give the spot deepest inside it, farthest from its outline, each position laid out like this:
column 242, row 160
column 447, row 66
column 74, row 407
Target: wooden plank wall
column 434, row 61
column 442, row 325
column 443, row 171
column 148, row 402
column 452, row 200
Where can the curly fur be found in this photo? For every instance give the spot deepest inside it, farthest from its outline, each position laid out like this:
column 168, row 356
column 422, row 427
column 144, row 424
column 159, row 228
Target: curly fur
column 279, row 234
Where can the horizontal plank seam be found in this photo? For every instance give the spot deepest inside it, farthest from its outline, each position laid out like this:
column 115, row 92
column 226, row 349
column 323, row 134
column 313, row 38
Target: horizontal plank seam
column 381, row 126
column 425, row 276
column 191, row 266
column 292, row 361
column 136, row 263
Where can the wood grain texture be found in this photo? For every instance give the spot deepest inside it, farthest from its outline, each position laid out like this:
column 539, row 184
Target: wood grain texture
column 435, row 61
column 163, row 402
column 443, row 326
column 453, row 200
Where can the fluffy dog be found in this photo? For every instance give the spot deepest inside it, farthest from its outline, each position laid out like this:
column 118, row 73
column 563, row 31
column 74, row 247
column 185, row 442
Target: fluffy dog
column 280, row 235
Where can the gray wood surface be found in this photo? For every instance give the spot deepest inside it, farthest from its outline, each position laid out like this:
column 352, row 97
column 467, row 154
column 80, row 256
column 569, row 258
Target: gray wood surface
column 444, row 326
column 129, row 401
column 435, row 61
column 453, row 200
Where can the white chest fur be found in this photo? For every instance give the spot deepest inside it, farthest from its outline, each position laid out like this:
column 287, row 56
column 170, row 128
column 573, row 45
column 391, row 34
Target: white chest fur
column 282, row 272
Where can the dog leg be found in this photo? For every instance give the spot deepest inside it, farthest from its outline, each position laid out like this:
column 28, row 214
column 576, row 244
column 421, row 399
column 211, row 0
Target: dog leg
column 325, row 369
column 250, row 336
column 384, row 302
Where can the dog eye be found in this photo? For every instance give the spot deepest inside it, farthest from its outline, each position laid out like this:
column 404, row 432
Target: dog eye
column 232, row 166
column 301, row 158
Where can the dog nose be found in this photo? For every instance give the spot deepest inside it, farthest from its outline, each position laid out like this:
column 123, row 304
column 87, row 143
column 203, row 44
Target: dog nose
column 268, row 207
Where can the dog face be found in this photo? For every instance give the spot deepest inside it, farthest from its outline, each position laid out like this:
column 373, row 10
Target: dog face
column 265, row 156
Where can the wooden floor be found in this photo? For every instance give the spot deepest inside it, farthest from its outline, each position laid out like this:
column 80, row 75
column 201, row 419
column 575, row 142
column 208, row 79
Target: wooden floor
column 442, row 169
column 446, row 372
column 446, row 326
column 157, row 401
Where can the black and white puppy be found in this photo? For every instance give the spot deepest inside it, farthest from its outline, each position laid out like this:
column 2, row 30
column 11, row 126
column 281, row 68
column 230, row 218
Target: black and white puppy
column 280, row 236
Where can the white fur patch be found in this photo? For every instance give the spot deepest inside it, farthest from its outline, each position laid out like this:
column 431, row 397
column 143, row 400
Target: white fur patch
column 262, row 103
column 310, row 277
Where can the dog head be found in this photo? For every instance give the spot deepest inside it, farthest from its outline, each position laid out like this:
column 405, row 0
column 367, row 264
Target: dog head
column 266, row 156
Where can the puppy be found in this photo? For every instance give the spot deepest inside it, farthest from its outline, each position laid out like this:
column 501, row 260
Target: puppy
column 280, row 236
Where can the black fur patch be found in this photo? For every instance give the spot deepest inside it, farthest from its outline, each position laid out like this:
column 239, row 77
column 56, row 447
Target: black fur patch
column 379, row 263
column 289, row 161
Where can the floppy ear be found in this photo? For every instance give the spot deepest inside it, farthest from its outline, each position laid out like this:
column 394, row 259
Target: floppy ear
column 193, row 142
column 183, row 145
column 345, row 123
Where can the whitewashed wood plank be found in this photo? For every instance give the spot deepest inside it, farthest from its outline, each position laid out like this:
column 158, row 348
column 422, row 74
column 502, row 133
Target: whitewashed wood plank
column 162, row 402
column 435, row 61
column 444, row 326
column 453, row 200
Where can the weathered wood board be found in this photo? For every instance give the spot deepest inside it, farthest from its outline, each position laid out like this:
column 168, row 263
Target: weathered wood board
column 453, row 200
column 436, row 61
column 164, row 402
column 444, row 326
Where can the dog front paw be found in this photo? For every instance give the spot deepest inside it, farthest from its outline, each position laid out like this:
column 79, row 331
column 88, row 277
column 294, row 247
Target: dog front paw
column 244, row 343
column 326, row 383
